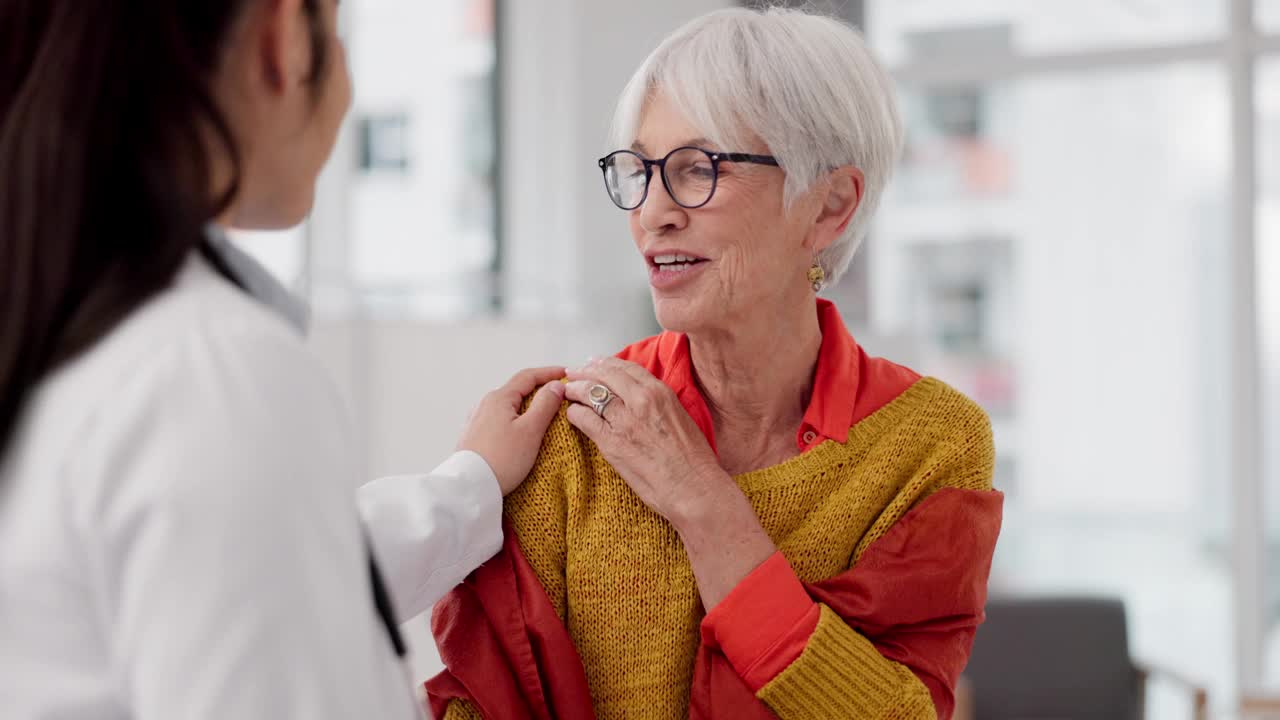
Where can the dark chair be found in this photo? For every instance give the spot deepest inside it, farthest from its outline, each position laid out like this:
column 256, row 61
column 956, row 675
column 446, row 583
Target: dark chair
column 1058, row 658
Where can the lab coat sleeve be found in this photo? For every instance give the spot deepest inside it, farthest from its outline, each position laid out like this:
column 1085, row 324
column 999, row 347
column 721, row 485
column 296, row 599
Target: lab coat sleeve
column 431, row 531
column 232, row 560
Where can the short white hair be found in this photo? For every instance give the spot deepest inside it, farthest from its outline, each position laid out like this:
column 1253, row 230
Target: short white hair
column 805, row 84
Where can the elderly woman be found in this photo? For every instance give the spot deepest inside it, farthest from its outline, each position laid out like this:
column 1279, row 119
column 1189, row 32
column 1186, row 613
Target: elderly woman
column 746, row 515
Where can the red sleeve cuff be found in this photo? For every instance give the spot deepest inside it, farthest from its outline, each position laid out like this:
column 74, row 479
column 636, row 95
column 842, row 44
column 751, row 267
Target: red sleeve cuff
column 764, row 624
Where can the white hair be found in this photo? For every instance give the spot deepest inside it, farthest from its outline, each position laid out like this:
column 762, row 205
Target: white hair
column 804, row 84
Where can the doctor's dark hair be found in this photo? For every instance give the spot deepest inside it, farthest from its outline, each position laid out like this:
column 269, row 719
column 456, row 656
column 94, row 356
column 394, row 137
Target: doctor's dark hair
column 106, row 115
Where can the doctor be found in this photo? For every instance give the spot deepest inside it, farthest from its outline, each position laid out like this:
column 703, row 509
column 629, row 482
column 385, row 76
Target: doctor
column 177, row 532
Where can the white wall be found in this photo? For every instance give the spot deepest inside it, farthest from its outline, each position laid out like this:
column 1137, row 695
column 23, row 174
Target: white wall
column 423, row 380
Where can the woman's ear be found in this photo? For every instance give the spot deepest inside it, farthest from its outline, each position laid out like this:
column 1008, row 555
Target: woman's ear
column 841, row 194
column 282, row 38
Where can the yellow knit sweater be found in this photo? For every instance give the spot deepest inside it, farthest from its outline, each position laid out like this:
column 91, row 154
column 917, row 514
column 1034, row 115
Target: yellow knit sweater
column 618, row 576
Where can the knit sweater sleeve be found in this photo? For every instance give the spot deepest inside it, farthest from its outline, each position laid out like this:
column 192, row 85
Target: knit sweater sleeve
column 840, row 673
column 881, row 642
column 538, row 510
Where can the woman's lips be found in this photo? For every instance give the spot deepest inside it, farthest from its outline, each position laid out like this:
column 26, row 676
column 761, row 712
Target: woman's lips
column 664, row 276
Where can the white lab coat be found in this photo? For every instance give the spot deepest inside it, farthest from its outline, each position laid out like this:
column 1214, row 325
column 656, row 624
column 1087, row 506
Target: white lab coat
column 178, row 537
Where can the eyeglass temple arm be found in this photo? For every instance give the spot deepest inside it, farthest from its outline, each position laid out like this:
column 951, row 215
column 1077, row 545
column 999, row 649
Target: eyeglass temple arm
column 746, row 157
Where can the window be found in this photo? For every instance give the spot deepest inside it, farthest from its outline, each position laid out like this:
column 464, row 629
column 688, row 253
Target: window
column 422, row 200
column 1268, row 15
column 1059, row 244
column 930, row 30
column 405, row 223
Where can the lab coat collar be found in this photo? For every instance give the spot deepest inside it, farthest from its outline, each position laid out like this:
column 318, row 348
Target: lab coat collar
column 257, row 281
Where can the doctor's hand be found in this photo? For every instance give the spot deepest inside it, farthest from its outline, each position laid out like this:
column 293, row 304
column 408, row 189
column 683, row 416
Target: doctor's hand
column 507, row 440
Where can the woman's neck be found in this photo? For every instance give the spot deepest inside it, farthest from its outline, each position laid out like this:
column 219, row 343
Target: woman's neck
column 757, row 379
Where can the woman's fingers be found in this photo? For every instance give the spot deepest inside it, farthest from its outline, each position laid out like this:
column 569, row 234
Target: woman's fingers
column 621, row 384
column 525, row 381
column 507, row 440
column 546, row 403
column 579, row 391
column 637, row 373
column 586, row 420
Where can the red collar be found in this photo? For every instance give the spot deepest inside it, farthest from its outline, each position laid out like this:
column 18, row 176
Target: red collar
column 848, row 385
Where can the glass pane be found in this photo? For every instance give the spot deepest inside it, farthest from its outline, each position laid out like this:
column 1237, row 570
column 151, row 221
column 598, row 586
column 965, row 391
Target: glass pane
column 1268, row 15
column 422, row 203
column 1056, row 248
column 1268, row 234
column 905, row 31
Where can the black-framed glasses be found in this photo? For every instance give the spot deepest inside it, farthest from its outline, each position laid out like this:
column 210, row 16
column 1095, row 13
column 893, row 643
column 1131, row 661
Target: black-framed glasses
column 688, row 173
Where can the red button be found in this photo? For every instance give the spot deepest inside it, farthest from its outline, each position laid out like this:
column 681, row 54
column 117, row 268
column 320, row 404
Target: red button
column 809, row 437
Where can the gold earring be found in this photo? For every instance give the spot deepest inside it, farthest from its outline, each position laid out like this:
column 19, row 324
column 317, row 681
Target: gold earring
column 817, row 276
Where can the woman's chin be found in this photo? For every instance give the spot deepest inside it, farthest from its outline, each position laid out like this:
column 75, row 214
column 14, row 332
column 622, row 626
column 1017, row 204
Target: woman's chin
column 679, row 314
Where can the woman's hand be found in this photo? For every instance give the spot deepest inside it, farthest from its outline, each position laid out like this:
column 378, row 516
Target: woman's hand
column 648, row 437
column 507, row 440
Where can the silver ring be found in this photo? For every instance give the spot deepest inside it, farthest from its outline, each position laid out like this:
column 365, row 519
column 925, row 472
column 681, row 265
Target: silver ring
column 600, row 397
